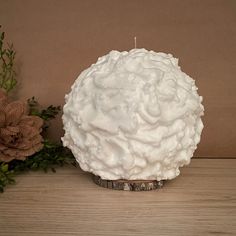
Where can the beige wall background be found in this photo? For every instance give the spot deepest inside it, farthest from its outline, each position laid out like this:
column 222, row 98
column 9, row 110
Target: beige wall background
column 57, row 39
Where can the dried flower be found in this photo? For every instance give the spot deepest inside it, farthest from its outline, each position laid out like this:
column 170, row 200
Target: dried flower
column 19, row 133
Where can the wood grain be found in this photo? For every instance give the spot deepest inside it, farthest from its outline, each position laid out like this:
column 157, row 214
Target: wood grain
column 201, row 201
column 128, row 185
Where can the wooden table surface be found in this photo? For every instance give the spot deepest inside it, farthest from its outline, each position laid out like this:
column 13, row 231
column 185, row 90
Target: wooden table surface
column 201, row 201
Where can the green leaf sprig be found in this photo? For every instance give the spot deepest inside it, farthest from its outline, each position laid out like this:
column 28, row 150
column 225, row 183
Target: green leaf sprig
column 46, row 114
column 7, row 72
column 6, row 176
column 51, row 156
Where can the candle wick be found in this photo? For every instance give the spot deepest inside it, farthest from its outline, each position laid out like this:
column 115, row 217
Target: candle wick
column 135, row 42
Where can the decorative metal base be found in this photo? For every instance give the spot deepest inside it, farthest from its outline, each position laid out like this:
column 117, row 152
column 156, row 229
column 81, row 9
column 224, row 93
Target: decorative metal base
column 128, row 185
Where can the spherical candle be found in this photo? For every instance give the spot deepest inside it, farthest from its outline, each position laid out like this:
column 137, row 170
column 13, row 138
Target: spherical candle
column 133, row 115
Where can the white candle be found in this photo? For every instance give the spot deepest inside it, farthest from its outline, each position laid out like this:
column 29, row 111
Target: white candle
column 133, row 115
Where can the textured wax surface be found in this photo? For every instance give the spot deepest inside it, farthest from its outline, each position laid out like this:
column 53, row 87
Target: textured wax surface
column 133, row 115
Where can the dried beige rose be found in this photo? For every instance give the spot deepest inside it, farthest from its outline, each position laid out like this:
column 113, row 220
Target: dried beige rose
column 19, row 133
